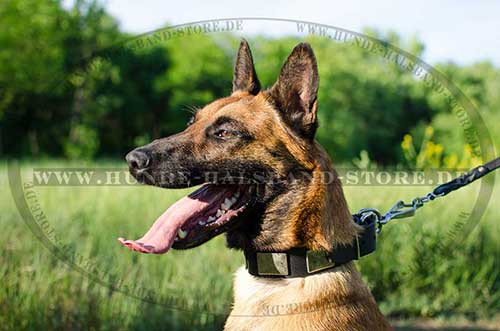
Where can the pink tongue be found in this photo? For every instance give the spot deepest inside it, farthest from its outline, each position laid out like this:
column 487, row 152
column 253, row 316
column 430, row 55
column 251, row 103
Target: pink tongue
column 161, row 235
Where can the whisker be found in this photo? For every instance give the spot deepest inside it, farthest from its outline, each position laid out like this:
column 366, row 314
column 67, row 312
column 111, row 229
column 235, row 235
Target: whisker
column 190, row 108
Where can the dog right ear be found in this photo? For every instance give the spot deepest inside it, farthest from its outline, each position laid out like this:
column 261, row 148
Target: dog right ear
column 245, row 77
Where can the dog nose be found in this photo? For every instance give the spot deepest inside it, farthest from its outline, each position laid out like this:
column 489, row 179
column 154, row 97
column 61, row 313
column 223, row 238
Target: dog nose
column 138, row 159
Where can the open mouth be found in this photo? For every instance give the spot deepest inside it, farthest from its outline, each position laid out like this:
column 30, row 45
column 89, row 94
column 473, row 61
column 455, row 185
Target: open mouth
column 210, row 210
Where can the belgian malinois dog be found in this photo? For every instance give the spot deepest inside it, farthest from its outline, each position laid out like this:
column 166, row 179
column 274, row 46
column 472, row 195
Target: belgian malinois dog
column 263, row 184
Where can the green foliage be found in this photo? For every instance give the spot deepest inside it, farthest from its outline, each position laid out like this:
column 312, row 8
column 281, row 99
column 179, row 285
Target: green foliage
column 480, row 82
column 364, row 161
column 430, row 154
column 43, row 45
column 83, row 143
column 201, row 71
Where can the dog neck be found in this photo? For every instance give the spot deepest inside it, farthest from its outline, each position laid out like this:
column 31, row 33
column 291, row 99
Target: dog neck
column 332, row 300
column 317, row 218
column 312, row 213
column 331, row 217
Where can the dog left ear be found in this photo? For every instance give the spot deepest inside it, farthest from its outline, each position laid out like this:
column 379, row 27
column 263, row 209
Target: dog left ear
column 245, row 77
column 295, row 92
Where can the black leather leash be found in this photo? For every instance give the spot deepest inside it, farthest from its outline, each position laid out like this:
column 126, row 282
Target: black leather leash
column 467, row 178
column 403, row 210
column 300, row 262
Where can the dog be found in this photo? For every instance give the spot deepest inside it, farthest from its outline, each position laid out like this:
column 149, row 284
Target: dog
column 263, row 185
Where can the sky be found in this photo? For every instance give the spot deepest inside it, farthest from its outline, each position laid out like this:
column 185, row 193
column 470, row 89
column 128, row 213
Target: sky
column 460, row 31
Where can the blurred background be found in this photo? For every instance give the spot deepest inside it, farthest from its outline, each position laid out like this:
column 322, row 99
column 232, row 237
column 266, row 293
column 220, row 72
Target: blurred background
column 72, row 95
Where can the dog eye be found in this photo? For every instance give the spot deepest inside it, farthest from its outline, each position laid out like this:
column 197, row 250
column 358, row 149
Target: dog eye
column 222, row 134
column 191, row 121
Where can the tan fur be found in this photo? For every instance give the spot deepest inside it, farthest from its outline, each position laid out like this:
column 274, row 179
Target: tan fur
column 297, row 202
column 333, row 300
column 317, row 216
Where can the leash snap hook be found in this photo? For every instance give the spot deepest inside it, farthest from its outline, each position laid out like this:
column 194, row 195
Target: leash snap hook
column 402, row 210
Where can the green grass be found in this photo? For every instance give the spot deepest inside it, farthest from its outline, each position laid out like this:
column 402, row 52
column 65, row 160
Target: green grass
column 420, row 269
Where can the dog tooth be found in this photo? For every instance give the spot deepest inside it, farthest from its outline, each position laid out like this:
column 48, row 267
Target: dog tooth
column 201, row 222
column 226, row 204
column 211, row 219
column 233, row 200
column 219, row 213
column 237, row 194
column 181, row 233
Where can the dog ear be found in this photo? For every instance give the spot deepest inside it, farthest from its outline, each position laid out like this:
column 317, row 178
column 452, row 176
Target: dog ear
column 245, row 77
column 295, row 92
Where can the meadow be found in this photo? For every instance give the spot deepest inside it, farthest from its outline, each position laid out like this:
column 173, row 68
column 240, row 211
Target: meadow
column 66, row 93
column 422, row 267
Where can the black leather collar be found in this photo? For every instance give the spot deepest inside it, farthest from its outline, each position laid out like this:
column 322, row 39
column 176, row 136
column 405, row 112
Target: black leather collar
column 301, row 262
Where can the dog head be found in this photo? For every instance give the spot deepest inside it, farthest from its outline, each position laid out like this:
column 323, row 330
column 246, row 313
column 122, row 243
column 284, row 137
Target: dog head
column 262, row 173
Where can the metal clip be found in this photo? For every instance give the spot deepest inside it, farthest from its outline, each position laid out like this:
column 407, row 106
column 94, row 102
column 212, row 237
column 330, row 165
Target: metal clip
column 399, row 211
column 365, row 213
